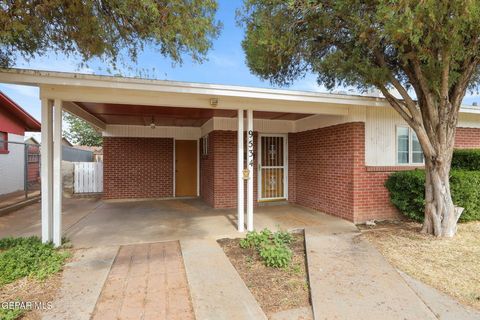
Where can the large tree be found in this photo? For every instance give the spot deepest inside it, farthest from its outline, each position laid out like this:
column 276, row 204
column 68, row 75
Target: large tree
column 427, row 50
column 106, row 28
column 80, row 132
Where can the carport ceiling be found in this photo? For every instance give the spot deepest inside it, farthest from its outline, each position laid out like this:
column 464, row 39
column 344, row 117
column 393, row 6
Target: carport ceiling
column 168, row 116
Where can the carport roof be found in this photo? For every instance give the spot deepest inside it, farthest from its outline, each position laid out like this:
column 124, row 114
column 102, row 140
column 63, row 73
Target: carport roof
column 101, row 99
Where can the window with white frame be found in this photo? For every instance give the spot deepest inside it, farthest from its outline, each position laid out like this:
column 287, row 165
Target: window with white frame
column 409, row 150
column 205, row 145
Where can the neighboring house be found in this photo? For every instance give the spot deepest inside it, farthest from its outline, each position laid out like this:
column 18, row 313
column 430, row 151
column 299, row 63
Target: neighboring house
column 163, row 139
column 70, row 152
column 14, row 121
column 97, row 152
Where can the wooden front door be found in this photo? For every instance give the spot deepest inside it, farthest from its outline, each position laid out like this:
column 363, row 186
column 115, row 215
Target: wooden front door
column 185, row 168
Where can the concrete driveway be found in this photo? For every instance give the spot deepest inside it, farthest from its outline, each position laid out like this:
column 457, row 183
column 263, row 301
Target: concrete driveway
column 94, row 222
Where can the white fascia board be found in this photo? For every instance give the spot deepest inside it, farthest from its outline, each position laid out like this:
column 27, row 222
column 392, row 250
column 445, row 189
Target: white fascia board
column 46, row 78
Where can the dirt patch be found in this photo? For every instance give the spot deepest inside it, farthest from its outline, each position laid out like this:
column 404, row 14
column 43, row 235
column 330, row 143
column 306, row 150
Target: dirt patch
column 275, row 289
column 31, row 290
column 450, row 265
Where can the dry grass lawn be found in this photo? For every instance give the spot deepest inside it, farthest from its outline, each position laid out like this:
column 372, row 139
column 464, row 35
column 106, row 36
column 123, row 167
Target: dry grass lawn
column 450, row 265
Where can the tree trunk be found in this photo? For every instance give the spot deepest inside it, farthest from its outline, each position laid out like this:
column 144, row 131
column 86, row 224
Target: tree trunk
column 441, row 215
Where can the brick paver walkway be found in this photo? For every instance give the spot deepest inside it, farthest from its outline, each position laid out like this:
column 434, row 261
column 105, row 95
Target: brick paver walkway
column 147, row 281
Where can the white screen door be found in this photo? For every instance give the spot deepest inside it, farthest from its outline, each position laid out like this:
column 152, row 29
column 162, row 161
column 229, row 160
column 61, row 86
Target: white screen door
column 272, row 164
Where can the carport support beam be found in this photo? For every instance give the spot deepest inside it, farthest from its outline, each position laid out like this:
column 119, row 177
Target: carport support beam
column 250, row 170
column 240, row 181
column 57, row 173
column 46, row 149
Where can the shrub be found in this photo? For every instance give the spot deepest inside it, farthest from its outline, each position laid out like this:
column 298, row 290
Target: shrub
column 272, row 247
column 24, row 257
column 255, row 239
column 407, row 193
column 466, row 159
column 11, row 314
column 276, row 256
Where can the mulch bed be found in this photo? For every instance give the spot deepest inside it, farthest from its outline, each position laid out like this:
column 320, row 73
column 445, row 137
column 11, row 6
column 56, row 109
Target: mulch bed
column 275, row 289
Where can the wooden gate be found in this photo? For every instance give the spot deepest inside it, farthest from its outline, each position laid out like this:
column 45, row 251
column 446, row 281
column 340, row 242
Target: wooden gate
column 88, row 177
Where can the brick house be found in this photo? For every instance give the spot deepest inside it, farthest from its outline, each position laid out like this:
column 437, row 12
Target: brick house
column 235, row 147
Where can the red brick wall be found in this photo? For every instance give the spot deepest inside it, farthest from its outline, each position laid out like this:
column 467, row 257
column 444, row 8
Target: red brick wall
column 324, row 168
column 372, row 200
column 467, row 138
column 137, row 167
column 218, row 170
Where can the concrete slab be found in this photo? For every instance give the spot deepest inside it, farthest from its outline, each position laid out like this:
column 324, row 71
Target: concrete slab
column 183, row 219
column 26, row 221
column 444, row 307
column 349, row 279
column 217, row 291
column 82, row 282
column 294, row 314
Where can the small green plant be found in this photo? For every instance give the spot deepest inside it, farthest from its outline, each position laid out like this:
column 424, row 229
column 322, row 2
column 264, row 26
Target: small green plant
column 276, row 256
column 282, row 237
column 271, row 246
column 255, row 239
column 28, row 257
column 11, row 314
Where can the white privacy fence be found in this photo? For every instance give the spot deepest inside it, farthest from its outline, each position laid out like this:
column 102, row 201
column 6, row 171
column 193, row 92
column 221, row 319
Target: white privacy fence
column 88, row 177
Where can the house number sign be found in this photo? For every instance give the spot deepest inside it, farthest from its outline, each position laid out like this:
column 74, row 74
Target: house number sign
column 250, row 149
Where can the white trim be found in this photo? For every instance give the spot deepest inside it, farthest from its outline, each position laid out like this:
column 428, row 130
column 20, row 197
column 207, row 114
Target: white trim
column 410, row 148
column 174, row 173
column 47, row 171
column 240, row 167
column 250, row 160
column 179, row 133
column 57, row 173
column 284, row 167
column 78, row 80
column 198, row 167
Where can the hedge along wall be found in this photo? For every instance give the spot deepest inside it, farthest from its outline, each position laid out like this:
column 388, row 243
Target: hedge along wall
column 466, row 159
column 407, row 188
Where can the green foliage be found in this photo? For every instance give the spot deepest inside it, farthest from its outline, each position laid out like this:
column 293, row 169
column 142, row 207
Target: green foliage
column 358, row 43
column 22, row 257
column 407, row 193
column 255, row 239
column 275, row 255
column 271, row 246
column 105, row 29
column 81, row 132
column 11, row 314
column 466, row 159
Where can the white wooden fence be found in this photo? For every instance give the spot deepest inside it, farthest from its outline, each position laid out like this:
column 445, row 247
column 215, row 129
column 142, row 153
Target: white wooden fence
column 88, row 177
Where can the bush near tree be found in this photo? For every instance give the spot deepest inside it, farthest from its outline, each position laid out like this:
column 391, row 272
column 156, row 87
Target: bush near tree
column 407, row 188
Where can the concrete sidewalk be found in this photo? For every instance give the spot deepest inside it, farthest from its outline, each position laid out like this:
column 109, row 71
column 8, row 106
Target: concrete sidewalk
column 216, row 288
column 349, row 279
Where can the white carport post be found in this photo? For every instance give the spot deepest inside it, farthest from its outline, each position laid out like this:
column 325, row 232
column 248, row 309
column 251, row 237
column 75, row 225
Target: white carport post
column 250, row 170
column 47, row 171
column 57, row 173
column 240, row 180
